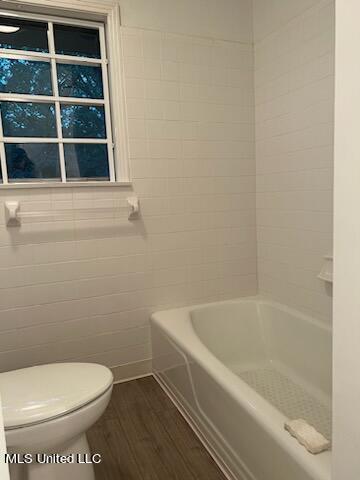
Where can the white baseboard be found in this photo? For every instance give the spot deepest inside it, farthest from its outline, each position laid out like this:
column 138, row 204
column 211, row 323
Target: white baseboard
column 131, row 371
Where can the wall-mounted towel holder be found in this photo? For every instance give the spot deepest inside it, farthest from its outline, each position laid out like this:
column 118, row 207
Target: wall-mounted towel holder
column 326, row 272
column 14, row 215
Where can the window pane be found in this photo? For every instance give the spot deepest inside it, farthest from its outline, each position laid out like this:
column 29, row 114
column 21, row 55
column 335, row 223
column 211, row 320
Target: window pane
column 80, row 121
column 24, row 76
column 86, row 162
column 32, row 161
column 25, row 119
column 24, row 35
column 79, row 42
column 79, row 81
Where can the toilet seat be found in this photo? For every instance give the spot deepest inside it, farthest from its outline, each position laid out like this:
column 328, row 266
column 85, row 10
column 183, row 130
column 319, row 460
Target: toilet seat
column 38, row 394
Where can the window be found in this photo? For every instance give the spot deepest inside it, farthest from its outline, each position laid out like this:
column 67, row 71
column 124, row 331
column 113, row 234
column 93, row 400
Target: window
column 55, row 122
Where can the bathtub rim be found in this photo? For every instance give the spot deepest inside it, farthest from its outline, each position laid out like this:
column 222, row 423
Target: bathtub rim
column 272, row 420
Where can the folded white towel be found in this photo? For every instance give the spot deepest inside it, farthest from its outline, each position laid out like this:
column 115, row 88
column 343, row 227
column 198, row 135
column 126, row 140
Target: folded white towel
column 307, row 436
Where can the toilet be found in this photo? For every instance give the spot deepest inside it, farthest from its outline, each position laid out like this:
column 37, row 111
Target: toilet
column 47, row 409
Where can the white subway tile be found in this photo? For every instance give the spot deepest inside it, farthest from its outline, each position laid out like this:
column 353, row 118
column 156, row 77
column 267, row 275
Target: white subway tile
column 294, row 80
column 81, row 288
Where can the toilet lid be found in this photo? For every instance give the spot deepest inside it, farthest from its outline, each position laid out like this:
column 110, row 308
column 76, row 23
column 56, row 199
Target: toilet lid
column 36, row 394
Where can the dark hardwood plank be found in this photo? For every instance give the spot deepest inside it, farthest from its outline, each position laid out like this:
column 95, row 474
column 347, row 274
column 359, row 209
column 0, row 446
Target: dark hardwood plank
column 159, row 401
column 196, row 457
column 155, row 453
column 108, row 439
column 142, row 436
column 111, row 412
column 193, row 452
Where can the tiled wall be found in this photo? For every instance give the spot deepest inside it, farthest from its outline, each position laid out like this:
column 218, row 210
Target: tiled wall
column 76, row 288
column 82, row 289
column 294, row 78
column 221, row 19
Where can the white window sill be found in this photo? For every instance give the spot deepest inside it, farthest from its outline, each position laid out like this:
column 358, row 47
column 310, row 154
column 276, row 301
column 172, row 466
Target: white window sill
column 15, row 186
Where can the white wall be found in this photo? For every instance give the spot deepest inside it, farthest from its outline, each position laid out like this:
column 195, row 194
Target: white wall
column 294, row 90
column 221, row 19
column 83, row 289
column 346, row 460
column 271, row 15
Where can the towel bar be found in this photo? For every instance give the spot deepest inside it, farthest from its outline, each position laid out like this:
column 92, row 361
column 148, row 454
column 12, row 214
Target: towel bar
column 14, row 215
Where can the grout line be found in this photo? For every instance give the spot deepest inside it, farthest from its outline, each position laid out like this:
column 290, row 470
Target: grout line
column 64, row 342
column 185, row 35
column 75, row 319
column 124, row 293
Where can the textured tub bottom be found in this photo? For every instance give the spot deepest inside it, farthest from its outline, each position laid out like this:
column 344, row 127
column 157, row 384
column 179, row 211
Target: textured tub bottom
column 290, row 398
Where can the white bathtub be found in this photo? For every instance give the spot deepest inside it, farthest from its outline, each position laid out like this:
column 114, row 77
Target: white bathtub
column 237, row 370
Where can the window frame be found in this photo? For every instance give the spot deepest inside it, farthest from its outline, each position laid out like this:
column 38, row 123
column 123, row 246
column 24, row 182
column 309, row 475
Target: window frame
column 105, row 18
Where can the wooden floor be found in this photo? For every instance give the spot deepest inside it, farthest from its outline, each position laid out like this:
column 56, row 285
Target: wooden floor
column 143, row 437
